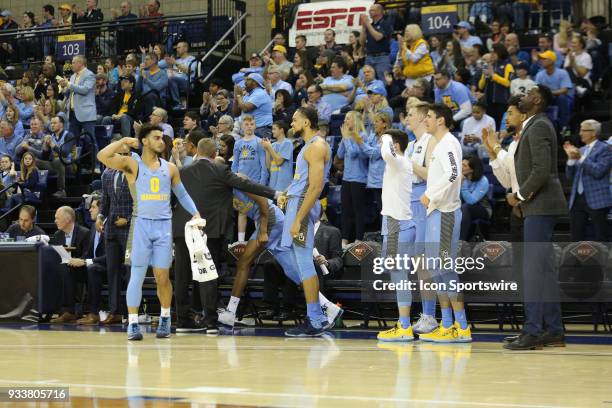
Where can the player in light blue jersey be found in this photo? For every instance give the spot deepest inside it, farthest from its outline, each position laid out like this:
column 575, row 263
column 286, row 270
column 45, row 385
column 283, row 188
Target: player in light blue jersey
column 302, row 211
column 151, row 181
column 269, row 221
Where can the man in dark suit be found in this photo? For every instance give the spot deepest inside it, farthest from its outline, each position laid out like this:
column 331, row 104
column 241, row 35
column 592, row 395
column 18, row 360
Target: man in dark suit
column 76, row 241
column 328, row 242
column 540, row 197
column 589, row 170
column 210, row 184
column 95, row 261
column 114, row 219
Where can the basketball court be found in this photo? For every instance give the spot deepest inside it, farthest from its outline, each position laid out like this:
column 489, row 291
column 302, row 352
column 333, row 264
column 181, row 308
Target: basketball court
column 258, row 367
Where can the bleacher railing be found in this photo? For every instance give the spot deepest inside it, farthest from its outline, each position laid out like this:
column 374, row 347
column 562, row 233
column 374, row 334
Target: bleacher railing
column 116, row 38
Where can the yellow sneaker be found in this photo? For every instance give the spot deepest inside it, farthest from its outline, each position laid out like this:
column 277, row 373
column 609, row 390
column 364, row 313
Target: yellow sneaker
column 397, row 333
column 441, row 335
column 463, row 336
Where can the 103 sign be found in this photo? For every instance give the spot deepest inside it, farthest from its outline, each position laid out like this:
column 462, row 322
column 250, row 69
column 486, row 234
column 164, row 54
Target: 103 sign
column 69, row 46
column 438, row 19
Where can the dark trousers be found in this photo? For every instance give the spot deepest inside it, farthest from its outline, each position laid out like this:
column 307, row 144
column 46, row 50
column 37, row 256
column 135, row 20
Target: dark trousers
column 207, row 291
column 376, row 199
column 354, row 203
column 116, row 273
column 470, row 213
column 516, row 237
column 96, row 275
column 149, row 101
column 57, row 167
column 540, row 283
column 70, row 278
column 274, row 278
column 76, row 127
column 580, row 214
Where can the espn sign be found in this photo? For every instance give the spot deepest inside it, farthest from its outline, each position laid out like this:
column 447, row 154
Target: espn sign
column 312, row 19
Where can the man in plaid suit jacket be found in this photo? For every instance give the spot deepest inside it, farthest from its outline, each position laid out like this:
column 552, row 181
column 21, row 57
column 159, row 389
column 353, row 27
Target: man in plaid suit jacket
column 115, row 216
column 589, row 170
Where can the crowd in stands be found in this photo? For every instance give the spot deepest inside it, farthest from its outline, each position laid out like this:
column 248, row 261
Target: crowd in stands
column 359, row 91
column 34, row 38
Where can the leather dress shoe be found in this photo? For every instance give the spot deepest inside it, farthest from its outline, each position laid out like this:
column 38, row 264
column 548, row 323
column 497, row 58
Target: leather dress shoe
column 553, row 340
column 266, row 314
column 525, row 342
column 510, row 339
column 112, row 319
column 284, row 315
column 65, row 317
column 91, row 318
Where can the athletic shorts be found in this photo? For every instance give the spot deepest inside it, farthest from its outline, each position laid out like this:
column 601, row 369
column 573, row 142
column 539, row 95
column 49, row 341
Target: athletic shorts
column 275, row 228
column 305, row 237
column 442, row 236
column 398, row 237
column 149, row 243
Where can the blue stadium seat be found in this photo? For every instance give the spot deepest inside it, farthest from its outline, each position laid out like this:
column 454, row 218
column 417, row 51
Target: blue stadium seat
column 334, row 205
column 103, row 135
column 43, row 175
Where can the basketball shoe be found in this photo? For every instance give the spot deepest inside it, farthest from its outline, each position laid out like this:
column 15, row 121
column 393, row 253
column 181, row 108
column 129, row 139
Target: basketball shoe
column 397, row 333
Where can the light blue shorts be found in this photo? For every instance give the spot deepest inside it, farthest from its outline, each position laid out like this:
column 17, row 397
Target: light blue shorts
column 149, row 243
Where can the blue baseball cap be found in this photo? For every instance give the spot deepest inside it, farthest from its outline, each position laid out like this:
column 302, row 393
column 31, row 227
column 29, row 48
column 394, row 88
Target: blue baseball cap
column 257, row 78
column 463, row 24
column 523, row 65
column 377, row 89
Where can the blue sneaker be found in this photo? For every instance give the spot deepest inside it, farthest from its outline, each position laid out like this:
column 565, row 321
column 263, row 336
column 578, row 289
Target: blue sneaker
column 305, row 330
column 134, row 332
column 164, row 327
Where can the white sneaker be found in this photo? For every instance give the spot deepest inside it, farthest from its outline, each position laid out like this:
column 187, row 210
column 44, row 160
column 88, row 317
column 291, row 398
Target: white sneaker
column 145, row 319
column 425, row 324
column 227, row 318
column 332, row 312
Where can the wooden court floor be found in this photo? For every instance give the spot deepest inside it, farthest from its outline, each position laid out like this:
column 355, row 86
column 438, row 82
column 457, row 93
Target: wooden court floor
column 103, row 369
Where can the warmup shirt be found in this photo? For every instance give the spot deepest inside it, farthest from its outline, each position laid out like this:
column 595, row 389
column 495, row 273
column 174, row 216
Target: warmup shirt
column 250, row 160
column 443, row 178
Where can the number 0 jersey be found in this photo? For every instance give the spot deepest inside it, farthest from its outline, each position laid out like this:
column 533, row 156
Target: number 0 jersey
column 151, row 192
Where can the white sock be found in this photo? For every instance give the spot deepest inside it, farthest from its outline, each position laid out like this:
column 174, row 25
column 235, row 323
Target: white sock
column 324, row 301
column 232, row 306
column 241, row 236
column 165, row 312
column 133, row 318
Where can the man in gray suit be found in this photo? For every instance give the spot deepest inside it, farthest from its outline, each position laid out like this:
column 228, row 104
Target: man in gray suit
column 541, row 200
column 80, row 94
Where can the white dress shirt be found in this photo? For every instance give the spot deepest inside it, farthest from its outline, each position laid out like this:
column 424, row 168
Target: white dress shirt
column 518, row 194
column 503, row 167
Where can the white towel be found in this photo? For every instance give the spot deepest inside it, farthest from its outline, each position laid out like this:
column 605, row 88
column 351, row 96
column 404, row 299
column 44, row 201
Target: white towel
column 39, row 238
column 202, row 266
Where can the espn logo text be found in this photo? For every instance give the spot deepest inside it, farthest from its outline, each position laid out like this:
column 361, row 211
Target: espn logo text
column 328, row 18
